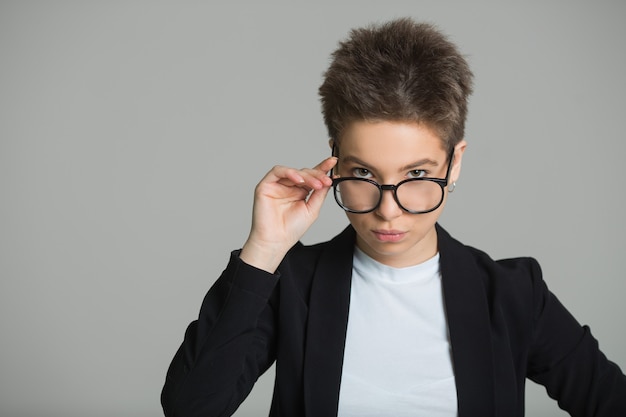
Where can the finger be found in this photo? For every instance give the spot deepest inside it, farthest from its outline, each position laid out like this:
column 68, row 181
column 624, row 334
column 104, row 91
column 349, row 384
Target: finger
column 312, row 178
column 315, row 179
column 285, row 175
column 321, row 170
column 327, row 164
column 316, row 200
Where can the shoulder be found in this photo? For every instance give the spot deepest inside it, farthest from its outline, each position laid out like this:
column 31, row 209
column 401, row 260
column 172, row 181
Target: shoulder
column 519, row 278
column 305, row 262
column 513, row 288
column 338, row 247
column 523, row 267
column 455, row 251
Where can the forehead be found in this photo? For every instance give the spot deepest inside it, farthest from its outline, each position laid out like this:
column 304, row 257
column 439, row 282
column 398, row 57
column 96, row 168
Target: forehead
column 391, row 143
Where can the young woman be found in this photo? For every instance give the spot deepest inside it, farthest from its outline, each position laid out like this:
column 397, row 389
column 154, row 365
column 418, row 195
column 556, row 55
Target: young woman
column 392, row 317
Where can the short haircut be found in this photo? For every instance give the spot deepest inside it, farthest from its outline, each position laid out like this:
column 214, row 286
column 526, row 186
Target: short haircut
column 397, row 71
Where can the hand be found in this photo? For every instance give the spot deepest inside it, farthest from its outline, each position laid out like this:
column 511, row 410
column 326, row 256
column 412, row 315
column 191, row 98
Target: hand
column 286, row 203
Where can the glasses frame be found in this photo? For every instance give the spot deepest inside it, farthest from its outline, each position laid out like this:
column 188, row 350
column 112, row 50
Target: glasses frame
column 442, row 182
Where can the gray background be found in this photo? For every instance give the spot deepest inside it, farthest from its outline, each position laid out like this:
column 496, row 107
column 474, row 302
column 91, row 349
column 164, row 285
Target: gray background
column 132, row 135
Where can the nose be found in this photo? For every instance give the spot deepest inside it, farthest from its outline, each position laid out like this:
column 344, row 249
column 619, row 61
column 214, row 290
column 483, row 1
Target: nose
column 388, row 208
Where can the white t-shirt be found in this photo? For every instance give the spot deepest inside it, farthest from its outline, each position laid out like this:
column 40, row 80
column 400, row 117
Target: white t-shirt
column 397, row 359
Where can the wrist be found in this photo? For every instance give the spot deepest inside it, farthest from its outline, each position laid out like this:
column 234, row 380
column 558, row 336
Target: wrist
column 262, row 256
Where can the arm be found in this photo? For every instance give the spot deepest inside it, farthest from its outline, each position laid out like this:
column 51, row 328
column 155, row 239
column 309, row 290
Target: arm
column 566, row 359
column 227, row 348
column 233, row 341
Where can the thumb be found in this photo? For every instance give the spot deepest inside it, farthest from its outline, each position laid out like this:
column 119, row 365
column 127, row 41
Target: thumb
column 316, row 200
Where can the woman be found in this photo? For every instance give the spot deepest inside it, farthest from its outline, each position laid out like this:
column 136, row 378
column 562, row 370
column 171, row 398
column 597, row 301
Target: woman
column 392, row 316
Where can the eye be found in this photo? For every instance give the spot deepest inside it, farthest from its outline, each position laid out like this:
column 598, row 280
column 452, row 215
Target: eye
column 416, row 173
column 361, row 172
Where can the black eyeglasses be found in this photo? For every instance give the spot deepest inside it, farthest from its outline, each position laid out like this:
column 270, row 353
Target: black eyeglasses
column 413, row 195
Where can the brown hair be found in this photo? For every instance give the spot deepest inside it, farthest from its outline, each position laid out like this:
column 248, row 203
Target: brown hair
column 397, row 71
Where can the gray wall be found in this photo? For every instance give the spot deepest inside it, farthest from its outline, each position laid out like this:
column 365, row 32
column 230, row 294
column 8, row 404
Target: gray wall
column 132, row 134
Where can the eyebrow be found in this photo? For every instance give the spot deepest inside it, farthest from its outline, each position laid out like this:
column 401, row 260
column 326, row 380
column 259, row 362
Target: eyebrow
column 413, row 165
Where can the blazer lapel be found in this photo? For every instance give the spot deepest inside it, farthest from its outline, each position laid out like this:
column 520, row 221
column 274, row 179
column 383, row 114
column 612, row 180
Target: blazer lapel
column 467, row 311
column 327, row 324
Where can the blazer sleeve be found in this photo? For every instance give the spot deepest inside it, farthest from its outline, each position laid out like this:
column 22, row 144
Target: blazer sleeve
column 566, row 359
column 227, row 348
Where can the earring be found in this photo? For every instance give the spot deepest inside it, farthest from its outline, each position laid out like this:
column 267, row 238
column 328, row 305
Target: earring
column 451, row 187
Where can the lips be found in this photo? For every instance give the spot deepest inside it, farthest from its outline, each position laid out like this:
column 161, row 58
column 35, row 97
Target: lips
column 389, row 235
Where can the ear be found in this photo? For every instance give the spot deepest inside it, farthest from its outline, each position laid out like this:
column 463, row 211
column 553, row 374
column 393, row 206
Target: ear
column 331, row 143
column 455, row 171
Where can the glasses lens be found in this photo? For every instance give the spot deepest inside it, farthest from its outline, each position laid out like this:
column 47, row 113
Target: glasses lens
column 357, row 195
column 420, row 195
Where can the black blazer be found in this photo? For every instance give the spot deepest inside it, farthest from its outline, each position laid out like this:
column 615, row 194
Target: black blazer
column 505, row 326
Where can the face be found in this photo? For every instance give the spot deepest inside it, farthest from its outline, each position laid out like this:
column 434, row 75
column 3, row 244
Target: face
column 389, row 152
